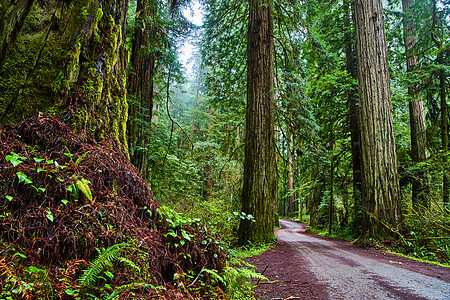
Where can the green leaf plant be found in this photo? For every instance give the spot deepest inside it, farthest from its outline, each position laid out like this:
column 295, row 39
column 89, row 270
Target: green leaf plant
column 94, row 272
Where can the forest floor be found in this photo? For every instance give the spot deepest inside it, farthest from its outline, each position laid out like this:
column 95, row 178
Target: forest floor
column 308, row 266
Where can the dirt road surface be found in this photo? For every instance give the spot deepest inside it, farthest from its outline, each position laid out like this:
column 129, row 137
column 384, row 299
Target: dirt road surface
column 306, row 266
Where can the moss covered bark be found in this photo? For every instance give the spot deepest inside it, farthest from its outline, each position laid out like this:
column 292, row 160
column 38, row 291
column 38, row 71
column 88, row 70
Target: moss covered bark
column 67, row 59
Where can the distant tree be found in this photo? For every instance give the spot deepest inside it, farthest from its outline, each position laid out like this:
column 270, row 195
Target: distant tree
column 380, row 183
column 441, row 74
column 260, row 181
column 140, row 83
column 156, row 26
column 416, row 107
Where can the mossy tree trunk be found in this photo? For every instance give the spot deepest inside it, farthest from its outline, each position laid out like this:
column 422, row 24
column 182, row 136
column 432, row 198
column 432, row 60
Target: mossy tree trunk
column 380, row 183
column 260, row 182
column 65, row 59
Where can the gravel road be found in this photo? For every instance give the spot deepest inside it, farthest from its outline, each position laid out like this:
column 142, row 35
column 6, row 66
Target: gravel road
column 335, row 269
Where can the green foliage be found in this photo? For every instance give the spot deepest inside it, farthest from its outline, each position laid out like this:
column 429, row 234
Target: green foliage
column 94, row 272
column 83, row 186
column 177, row 223
column 236, row 278
column 29, row 281
column 250, row 250
column 91, row 275
column 116, row 293
column 15, row 159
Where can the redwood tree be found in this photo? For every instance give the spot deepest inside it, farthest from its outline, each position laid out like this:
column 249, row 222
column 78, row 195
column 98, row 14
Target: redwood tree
column 416, row 109
column 353, row 113
column 260, row 182
column 140, row 84
column 380, row 184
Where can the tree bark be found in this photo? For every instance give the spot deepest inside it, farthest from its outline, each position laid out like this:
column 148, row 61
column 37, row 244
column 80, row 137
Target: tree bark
column 380, row 184
column 416, row 110
column 444, row 112
column 353, row 117
column 444, row 137
column 140, row 87
column 66, row 59
column 260, row 182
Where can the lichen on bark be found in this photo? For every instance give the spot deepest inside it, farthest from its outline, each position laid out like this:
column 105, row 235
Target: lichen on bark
column 67, row 59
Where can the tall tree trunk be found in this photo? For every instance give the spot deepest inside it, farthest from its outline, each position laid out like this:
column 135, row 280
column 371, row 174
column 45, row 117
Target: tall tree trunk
column 209, row 180
column 140, row 86
column 416, row 109
column 380, row 192
column 260, row 182
column 444, row 137
column 66, row 59
column 353, row 117
column 444, row 112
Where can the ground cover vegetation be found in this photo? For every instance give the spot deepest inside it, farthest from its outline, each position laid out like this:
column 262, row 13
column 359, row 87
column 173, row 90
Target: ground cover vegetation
column 79, row 221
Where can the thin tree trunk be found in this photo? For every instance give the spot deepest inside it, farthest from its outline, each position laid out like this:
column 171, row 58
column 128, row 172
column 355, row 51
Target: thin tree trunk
column 331, row 204
column 316, row 198
column 190, row 148
column 380, row 192
column 300, row 209
column 291, row 176
column 260, row 182
column 416, row 110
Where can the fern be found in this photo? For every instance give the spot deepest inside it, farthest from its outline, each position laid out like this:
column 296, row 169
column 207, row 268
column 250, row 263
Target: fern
column 80, row 158
column 115, row 294
column 130, row 263
column 215, row 275
column 91, row 274
column 237, row 280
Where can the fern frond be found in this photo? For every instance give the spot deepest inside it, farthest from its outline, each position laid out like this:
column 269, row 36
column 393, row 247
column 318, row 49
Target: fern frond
column 215, row 275
column 91, row 274
column 116, row 293
column 130, row 263
column 249, row 274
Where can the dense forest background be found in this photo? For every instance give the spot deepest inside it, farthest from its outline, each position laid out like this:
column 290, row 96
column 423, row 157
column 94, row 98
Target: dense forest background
column 195, row 146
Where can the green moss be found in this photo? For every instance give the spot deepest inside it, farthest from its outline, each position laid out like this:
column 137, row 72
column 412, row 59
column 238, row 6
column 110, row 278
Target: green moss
column 75, row 62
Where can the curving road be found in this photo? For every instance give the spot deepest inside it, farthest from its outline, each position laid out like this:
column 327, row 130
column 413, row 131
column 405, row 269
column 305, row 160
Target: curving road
column 347, row 272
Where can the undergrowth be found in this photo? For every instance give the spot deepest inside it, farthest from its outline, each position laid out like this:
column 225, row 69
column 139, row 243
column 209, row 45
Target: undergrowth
column 77, row 220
